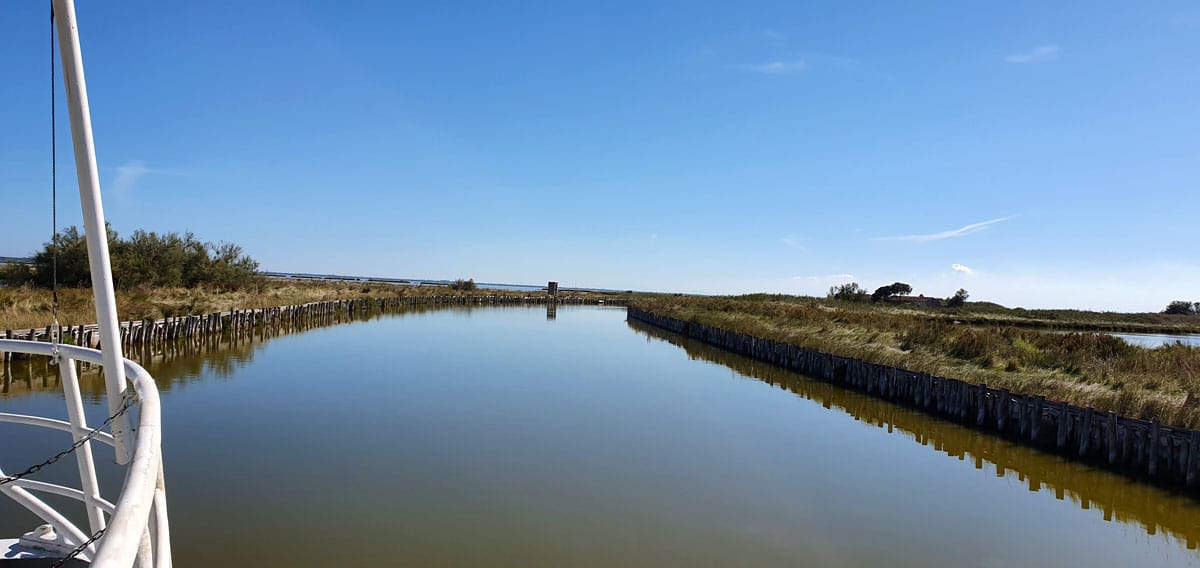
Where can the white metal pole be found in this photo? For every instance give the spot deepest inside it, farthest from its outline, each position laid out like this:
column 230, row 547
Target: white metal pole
column 83, row 456
column 93, row 220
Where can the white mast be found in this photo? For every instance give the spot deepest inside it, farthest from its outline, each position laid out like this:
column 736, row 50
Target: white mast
column 93, row 220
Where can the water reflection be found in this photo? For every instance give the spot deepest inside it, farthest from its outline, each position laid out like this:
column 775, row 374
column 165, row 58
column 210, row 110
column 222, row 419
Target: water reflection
column 1117, row 498
column 471, row 434
column 176, row 363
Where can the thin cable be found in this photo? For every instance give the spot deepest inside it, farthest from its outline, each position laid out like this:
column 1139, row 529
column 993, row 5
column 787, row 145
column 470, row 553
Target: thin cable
column 57, row 331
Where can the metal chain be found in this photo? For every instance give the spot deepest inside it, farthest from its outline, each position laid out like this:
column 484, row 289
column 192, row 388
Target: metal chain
column 78, row 549
column 129, row 402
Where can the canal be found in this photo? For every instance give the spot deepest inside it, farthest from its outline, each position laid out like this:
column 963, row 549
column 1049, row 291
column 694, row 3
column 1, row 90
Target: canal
column 1155, row 340
column 510, row 436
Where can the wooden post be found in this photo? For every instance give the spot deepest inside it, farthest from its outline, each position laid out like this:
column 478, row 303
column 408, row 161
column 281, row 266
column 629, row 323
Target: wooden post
column 1024, row 415
column 1192, row 459
column 1064, row 423
column 1085, row 433
column 982, row 407
column 1035, row 430
column 1002, row 410
column 1111, row 427
column 1153, row 458
column 964, row 400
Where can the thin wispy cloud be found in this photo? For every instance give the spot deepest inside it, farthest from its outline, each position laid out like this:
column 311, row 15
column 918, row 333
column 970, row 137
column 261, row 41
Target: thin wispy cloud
column 653, row 237
column 962, row 268
column 780, row 67
column 794, row 242
column 826, row 278
column 1040, row 53
column 952, row 233
column 773, row 35
column 129, row 174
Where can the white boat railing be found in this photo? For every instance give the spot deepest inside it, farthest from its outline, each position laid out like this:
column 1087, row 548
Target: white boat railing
column 133, row 528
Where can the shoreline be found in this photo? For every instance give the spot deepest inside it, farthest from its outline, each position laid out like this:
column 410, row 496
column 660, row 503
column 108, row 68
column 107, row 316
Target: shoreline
column 140, row 333
column 1139, row 448
column 22, row 308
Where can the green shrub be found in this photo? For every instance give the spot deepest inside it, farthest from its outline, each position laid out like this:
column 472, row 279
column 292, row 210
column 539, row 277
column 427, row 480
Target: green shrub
column 144, row 259
column 958, row 299
column 851, row 292
column 15, row 274
column 460, row 284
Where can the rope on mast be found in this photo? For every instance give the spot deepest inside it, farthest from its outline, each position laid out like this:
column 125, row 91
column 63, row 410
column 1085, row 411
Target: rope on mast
column 56, row 332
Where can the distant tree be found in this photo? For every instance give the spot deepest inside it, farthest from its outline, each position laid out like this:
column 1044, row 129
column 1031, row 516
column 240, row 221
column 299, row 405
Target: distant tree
column 460, row 284
column 227, row 267
column 851, row 292
column 1180, row 307
column 881, row 293
column 72, row 259
column 959, row 298
column 15, row 274
column 893, row 289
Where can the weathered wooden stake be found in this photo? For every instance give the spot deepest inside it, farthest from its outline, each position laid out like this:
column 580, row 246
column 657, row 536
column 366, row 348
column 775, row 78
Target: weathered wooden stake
column 1085, row 432
column 1111, row 436
column 1064, row 423
column 1035, row 430
column 1153, row 458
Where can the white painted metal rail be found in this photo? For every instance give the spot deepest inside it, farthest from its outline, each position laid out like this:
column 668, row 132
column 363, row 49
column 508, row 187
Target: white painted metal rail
column 135, row 524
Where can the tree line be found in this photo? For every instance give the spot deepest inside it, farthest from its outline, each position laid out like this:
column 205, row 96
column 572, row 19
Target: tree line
column 1180, row 307
column 145, row 259
column 852, row 292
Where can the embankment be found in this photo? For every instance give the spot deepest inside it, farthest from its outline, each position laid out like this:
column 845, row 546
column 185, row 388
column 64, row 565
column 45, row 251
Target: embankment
column 141, row 333
column 1147, row 450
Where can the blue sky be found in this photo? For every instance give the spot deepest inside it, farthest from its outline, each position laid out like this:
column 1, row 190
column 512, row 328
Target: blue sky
column 1037, row 154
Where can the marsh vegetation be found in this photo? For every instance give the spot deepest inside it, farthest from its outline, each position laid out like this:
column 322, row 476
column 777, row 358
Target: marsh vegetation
column 980, row 344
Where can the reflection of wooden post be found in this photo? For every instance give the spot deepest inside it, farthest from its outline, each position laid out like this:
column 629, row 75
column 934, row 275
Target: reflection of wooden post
column 551, row 310
column 552, row 288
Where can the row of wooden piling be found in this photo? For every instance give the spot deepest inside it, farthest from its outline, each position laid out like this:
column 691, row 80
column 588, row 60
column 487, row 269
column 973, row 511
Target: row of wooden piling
column 140, row 333
column 1158, row 452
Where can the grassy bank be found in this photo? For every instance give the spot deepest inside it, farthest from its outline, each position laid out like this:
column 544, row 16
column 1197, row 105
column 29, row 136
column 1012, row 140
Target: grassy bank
column 1082, row 368
column 26, row 307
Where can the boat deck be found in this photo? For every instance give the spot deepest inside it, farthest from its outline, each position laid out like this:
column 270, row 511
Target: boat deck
column 13, row 555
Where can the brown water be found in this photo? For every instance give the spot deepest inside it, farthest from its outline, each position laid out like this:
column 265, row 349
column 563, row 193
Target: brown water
column 497, row 436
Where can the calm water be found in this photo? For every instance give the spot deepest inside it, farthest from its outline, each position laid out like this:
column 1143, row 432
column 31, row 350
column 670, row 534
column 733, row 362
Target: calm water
column 1156, row 339
column 500, row 436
